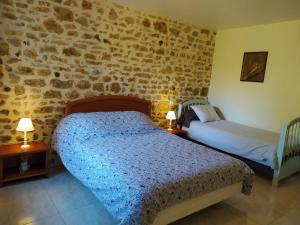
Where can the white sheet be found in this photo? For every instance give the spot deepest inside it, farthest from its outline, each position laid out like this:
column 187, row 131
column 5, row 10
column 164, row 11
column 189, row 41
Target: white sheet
column 251, row 143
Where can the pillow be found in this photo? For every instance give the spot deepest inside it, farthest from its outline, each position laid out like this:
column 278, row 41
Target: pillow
column 187, row 117
column 108, row 123
column 206, row 113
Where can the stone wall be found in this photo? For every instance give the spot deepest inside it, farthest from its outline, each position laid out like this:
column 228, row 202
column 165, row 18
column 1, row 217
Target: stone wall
column 56, row 51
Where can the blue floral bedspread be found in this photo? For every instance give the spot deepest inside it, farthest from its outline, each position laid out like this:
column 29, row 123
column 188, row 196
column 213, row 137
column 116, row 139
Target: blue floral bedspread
column 137, row 169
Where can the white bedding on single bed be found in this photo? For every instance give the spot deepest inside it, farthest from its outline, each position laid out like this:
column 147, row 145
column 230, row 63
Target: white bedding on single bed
column 248, row 142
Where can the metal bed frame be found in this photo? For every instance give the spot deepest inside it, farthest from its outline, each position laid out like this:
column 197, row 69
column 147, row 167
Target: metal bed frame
column 288, row 149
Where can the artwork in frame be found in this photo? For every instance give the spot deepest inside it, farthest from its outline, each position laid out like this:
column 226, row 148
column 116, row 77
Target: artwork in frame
column 254, row 66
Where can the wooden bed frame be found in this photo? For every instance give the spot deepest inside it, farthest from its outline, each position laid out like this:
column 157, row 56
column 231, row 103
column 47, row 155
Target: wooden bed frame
column 109, row 103
column 288, row 150
column 127, row 103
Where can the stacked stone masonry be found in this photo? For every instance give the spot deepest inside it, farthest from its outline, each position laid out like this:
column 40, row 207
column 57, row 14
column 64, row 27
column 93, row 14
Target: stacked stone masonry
column 55, row 51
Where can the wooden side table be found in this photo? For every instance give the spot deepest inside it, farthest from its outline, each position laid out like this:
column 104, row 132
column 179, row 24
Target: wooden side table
column 37, row 156
column 178, row 132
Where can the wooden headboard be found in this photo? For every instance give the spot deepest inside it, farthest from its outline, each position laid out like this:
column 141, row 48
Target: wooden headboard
column 109, row 103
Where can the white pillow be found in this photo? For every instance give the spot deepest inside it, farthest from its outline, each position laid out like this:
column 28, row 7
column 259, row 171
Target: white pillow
column 205, row 113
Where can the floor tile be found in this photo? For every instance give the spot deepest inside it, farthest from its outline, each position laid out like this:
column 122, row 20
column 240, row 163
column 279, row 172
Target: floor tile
column 32, row 208
column 74, row 197
column 13, row 193
column 4, row 214
column 285, row 221
column 94, row 214
column 51, row 220
column 258, row 210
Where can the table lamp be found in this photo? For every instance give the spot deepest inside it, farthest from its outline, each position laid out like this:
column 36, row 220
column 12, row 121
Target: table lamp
column 25, row 125
column 171, row 116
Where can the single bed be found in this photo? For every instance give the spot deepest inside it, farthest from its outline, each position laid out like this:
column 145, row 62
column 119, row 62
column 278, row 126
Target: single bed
column 141, row 173
column 248, row 142
column 279, row 153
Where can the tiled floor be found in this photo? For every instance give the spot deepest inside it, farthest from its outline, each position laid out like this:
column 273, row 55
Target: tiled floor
column 62, row 200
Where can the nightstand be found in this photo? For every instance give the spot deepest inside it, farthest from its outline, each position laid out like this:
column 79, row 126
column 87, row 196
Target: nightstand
column 178, row 132
column 37, row 156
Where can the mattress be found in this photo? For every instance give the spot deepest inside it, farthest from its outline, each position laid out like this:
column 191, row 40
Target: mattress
column 137, row 169
column 248, row 142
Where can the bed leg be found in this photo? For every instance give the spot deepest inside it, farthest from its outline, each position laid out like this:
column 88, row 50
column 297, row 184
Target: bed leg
column 275, row 181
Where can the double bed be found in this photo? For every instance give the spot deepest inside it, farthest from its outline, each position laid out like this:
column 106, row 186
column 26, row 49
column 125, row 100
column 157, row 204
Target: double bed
column 272, row 154
column 141, row 173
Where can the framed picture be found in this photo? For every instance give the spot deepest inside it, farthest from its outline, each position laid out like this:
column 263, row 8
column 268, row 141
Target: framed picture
column 254, row 66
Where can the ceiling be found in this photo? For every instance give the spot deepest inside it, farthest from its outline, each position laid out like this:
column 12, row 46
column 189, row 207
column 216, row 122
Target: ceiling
column 221, row 14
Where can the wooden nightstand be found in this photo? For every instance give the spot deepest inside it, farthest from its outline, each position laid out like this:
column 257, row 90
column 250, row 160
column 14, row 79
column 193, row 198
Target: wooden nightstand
column 178, row 132
column 37, row 156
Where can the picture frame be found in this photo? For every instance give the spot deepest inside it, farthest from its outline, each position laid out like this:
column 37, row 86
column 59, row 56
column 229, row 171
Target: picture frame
column 254, row 66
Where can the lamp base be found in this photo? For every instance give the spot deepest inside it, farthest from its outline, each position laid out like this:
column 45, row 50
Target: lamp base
column 170, row 126
column 26, row 146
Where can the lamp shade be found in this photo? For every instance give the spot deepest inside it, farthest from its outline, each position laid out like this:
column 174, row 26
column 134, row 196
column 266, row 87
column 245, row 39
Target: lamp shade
column 171, row 115
column 25, row 124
